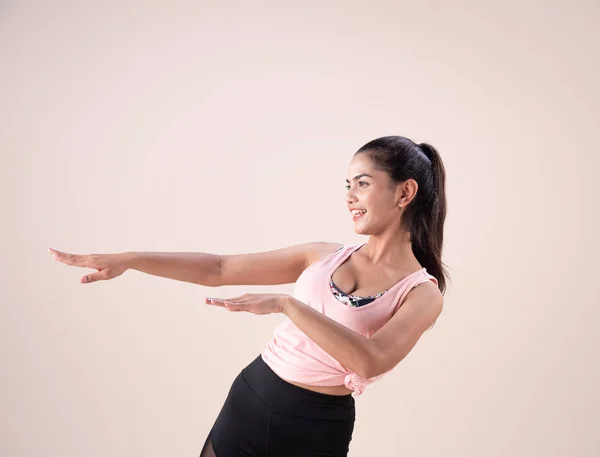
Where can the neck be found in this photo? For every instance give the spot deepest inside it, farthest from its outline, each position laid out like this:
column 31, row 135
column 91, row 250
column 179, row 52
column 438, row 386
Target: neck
column 393, row 250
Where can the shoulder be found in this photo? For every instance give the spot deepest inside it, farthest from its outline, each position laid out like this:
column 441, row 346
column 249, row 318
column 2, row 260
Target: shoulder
column 429, row 290
column 425, row 297
column 323, row 249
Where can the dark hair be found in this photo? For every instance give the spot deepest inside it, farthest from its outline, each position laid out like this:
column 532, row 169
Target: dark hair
column 424, row 217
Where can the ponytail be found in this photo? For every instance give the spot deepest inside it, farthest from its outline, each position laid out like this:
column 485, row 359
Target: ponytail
column 428, row 220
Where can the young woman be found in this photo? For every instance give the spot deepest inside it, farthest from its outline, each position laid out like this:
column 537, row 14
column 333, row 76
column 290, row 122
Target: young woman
column 355, row 313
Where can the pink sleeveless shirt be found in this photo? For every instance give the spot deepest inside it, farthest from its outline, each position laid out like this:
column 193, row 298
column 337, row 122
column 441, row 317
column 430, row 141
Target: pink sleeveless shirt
column 295, row 357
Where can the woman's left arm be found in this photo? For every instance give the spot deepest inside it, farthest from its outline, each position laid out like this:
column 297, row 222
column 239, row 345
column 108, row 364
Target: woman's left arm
column 367, row 357
column 370, row 357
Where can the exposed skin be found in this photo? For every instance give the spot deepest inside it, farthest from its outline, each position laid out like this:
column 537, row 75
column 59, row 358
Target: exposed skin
column 383, row 261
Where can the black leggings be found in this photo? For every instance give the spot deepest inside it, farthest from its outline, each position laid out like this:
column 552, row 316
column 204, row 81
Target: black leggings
column 265, row 416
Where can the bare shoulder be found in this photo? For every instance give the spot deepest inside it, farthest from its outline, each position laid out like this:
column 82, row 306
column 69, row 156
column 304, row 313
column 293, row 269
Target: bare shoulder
column 321, row 249
column 426, row 296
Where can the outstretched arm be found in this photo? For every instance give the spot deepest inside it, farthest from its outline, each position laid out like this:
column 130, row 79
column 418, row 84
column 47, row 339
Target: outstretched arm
column 368, row 357
column 279, row 266
column 199, row 268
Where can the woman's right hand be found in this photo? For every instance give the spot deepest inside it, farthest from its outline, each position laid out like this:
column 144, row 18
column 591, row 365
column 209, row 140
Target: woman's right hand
column 108, row 266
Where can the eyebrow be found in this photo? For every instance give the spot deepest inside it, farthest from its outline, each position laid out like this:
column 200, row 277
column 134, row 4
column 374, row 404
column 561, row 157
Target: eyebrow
column 360, row 176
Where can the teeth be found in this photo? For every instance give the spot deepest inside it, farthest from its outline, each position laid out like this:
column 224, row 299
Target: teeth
column 358, row 211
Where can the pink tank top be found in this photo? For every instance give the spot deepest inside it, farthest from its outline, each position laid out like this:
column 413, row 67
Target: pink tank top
column 295, row 357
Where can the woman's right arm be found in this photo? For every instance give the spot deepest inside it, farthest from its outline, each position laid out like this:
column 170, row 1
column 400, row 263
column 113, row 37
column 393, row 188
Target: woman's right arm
column 280, row 266
column 195, row 267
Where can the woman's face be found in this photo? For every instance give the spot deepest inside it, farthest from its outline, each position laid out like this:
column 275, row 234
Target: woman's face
column 373, row 193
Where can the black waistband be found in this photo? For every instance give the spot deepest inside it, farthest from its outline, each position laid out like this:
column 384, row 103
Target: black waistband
column 281, row 395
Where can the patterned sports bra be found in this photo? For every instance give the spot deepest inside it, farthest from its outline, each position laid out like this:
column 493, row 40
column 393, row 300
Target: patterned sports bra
column 348, row 299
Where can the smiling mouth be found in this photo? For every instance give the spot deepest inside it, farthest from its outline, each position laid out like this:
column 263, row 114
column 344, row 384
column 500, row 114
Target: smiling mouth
column 357, row 214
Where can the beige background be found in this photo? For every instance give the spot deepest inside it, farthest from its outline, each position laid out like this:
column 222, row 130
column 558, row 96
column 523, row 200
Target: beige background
column 228, row 128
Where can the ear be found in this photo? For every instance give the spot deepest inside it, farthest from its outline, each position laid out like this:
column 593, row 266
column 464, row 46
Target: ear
column 406, row 192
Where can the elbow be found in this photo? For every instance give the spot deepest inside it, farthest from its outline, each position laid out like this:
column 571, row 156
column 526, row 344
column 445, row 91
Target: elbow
column 371, row 370
column 373, row 365
column 374, row 368
column 378, row 363
column 216, row 279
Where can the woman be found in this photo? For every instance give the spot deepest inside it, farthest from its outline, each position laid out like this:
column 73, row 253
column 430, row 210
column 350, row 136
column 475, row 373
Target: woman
column 355, row 313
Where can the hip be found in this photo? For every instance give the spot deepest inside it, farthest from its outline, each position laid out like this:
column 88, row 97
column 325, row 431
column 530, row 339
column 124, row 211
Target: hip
column 266, row 416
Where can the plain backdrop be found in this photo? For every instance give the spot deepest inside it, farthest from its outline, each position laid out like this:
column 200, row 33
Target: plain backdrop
column 227, row 127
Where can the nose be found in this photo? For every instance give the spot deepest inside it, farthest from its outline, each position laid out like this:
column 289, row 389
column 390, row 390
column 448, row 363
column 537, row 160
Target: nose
column 350, row 198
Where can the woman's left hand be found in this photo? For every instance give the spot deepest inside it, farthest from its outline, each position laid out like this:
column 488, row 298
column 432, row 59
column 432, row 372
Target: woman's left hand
column 252, row 303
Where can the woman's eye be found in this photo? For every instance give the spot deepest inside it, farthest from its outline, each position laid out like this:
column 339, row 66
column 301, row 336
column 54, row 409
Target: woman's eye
column 360, row 184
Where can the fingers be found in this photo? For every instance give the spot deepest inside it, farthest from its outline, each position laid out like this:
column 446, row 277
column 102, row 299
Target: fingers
column 69, row 259
column 225, row 303
column 216, row 301
column 233, row 308
column 235, row 299
column 222, row 301
column 99, row 276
